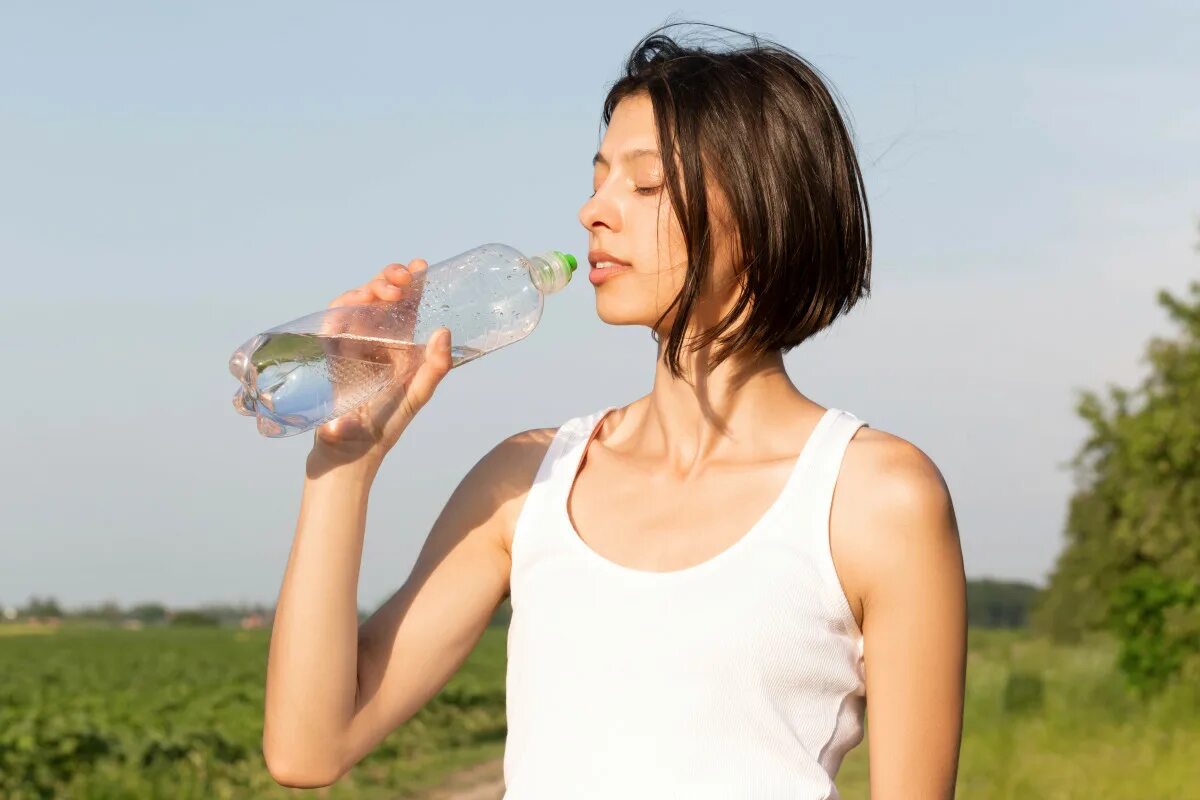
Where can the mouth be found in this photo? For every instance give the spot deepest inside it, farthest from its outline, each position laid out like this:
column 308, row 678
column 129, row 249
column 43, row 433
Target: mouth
column 599, row 259
column 601, row 274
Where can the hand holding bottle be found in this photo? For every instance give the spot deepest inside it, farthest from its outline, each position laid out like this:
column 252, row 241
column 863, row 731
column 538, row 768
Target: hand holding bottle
column 371, row 429
column 300, row 374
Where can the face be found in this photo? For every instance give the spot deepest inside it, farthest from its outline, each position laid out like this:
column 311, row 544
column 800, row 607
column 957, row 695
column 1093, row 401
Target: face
column 629, row 216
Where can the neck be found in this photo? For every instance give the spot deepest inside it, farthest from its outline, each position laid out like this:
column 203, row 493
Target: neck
column 728, row 411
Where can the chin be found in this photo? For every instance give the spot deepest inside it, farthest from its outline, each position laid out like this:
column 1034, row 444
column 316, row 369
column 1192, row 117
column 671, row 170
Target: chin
column 628, row 311
column 622, row 311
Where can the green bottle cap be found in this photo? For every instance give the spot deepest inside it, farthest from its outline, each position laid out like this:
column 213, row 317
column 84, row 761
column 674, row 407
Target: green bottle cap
column 567, row 257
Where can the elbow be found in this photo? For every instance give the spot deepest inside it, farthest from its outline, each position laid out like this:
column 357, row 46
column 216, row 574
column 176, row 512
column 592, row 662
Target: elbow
column 299, row 772
column 299, row 776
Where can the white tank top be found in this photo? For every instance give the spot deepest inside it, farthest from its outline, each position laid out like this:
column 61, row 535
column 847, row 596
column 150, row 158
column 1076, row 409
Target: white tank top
column 739, row 677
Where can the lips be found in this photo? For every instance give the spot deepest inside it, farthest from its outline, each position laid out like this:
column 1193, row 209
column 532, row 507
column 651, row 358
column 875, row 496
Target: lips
column 598, row 275
column 596, row 257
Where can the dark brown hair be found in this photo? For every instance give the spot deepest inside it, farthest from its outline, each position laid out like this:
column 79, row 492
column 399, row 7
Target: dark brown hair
column 760, row 122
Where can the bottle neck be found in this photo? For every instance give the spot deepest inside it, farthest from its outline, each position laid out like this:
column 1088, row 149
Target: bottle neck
column 548, row 273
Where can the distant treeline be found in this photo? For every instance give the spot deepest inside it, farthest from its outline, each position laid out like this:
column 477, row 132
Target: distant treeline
column 990, row 604
column 999, row 604
column 146, row 613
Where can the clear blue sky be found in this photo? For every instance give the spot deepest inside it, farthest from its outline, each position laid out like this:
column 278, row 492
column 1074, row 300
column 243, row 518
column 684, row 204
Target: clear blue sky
column 175, row 178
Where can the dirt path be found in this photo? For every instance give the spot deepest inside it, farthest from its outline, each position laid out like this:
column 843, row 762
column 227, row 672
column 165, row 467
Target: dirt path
column 482, row 782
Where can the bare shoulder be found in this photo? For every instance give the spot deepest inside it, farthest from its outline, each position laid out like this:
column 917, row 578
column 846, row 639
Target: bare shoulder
column 478, row 518
column 884, row 468
column 501, row 479
column 892, row 515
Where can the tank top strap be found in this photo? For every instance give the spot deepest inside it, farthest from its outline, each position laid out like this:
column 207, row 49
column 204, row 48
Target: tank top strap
column 826, row 463
column 806, row 526
column 536, row 532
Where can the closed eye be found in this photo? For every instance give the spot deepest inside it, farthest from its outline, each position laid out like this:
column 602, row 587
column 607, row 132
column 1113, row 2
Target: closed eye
column 642, row 190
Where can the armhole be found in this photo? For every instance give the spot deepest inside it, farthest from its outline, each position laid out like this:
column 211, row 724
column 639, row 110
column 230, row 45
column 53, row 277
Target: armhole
column 839, row 603
column 526, row 524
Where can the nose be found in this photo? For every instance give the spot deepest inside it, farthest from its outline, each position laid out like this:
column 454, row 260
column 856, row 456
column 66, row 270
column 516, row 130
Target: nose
column 598, row 211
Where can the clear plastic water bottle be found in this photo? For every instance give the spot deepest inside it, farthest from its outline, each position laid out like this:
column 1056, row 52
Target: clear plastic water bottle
column 303, row 373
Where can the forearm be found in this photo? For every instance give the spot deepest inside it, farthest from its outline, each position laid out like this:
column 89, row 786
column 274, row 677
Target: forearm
column 312, row 669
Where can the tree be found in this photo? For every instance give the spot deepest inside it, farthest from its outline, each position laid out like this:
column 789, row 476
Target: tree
column 108, row 611
column 149, row 613
column 42, row 607
column 1132, row 559
column 999, row 604
column 193, row 618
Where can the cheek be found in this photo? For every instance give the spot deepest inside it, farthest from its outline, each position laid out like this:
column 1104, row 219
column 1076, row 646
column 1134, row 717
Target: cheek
column 672, row 261
column 673, row 258
column 672, row 249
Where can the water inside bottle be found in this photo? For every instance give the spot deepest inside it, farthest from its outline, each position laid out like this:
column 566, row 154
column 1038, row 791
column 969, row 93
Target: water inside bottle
column 296, row 381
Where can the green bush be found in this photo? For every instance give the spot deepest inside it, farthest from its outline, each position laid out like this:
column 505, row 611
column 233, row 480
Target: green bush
column 195, row 619
column 1024, row 692
column 1141, row 612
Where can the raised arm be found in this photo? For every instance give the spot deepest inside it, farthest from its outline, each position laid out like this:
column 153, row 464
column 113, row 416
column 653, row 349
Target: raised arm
column 335, row 688
column 335, row 692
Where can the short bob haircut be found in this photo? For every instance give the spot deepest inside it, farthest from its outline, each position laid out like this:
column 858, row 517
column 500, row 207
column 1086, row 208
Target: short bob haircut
column 760, row 121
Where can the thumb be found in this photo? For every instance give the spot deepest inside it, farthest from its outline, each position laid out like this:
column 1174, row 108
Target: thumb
column 437, row 363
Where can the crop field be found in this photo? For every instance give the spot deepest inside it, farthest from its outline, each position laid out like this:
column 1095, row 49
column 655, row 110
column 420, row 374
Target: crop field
column 177, row 713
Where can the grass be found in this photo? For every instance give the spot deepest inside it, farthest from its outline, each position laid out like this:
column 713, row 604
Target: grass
column 163, row 712
column 1087, row 738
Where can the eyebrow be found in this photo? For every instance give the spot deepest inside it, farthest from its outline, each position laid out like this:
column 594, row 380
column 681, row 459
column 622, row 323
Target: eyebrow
column 629, row 156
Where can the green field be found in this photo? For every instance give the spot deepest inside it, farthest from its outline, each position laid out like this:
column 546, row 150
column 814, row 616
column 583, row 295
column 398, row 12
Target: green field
column 1086, row 738
column 177, row 713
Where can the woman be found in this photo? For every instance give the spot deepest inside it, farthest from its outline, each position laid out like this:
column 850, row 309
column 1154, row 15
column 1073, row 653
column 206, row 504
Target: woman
column 696, row 612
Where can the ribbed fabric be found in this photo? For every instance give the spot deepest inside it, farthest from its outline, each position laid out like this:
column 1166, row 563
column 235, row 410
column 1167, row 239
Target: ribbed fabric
column 739, row 677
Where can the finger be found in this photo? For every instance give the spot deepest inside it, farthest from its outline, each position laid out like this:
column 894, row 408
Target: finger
column 359, row 296
column 416, row 287
column 349, row 297
column 436, row 365
column 390, row 269
column 397, row 275
column 383, row 290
